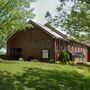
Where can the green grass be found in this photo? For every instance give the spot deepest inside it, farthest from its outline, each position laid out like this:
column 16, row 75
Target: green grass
column 22, row 75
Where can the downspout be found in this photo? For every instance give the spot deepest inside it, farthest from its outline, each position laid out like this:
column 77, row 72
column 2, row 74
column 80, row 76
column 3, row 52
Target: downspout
column 55, row 57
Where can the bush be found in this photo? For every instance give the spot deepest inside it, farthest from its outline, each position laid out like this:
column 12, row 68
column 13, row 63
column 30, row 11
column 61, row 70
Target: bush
column 70, row 54
column 64, row 57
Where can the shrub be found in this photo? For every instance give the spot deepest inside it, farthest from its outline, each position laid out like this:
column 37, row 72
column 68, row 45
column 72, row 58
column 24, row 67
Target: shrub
column 64, row 57
column 70, row 54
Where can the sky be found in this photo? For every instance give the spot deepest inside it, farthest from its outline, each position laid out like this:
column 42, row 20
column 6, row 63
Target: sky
column 42, row 6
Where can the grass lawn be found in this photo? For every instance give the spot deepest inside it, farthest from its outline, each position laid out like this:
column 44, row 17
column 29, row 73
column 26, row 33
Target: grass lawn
column 22, row 75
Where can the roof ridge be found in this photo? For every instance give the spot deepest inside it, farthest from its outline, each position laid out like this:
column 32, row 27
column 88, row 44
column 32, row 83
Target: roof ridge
column 49, row 30
column 57, row 31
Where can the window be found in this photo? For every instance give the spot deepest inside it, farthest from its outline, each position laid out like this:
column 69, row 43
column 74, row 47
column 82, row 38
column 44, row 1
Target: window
column 57, row 45
column 45, row 54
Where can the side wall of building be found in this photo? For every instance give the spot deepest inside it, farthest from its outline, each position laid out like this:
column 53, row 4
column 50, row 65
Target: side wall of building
column 74, row 47
column 32, row 42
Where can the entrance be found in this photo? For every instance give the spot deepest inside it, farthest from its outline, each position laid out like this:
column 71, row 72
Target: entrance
column 17, row 53
column 45, row 55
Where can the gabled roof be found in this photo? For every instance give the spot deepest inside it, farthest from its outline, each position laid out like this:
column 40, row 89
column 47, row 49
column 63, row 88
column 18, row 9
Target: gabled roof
column 54, row 33
column 48, row 30
column 58, row 31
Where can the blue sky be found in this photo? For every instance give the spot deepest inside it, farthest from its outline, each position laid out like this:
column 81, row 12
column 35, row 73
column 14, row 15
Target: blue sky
column 41, row 6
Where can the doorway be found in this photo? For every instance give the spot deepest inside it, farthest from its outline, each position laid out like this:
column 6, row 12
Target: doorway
column 17, row 53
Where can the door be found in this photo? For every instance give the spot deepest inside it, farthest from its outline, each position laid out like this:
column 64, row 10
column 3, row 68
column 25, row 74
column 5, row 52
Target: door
column 45, row 55
column 17, row 53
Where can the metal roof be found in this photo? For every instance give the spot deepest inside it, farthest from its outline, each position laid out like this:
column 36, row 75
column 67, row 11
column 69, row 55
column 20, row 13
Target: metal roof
column 54, row 32
column 48, row 30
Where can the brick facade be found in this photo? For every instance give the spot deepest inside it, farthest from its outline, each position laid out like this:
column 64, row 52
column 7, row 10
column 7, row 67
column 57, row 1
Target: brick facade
column 32, row 41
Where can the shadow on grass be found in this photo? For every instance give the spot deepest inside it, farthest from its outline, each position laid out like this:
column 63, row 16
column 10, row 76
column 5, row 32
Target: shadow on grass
column 38, row 79
column 83, row 66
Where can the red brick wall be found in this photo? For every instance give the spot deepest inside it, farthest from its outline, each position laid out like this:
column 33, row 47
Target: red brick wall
column 77, row 47
column 27, row 40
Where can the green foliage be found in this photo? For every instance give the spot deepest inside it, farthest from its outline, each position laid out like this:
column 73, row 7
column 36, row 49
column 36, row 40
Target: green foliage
column 75, row 19
column 64, row 57
column 70, row 54
column 87, row 1
column 13, row 16
column 78, row 22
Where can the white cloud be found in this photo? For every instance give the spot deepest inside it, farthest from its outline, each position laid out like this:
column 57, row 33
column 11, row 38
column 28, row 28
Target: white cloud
column 41, row 6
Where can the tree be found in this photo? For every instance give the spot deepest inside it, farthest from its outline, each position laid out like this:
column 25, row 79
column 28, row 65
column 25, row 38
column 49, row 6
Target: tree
column 75, row 20
column 13, row 16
